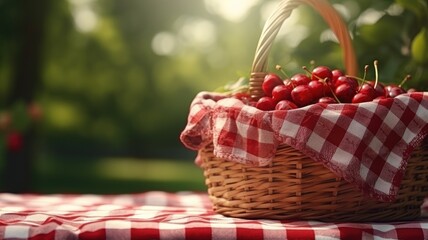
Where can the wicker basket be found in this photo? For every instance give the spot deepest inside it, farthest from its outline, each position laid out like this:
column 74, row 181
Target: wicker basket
column 294, row 186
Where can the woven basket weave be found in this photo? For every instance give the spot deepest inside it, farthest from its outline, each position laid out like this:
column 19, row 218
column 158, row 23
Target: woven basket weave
column 294, row 186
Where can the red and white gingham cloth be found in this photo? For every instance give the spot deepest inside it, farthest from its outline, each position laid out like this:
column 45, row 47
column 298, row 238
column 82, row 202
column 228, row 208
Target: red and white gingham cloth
column 368, row 144
column 161, row 215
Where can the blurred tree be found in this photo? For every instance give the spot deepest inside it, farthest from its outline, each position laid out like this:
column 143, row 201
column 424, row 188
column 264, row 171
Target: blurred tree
column 26, row 74
column 382, row 30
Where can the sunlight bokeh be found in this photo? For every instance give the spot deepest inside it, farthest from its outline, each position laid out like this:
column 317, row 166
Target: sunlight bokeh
column 84, row 15
column 231, row 10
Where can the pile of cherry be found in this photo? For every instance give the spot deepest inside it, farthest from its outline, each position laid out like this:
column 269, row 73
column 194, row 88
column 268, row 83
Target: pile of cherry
column 322, row 85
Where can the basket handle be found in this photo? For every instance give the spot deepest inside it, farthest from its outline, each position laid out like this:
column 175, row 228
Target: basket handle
column 272, row 27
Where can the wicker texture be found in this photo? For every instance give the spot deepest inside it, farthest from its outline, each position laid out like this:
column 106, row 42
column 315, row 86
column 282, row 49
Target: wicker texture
column 294, row 186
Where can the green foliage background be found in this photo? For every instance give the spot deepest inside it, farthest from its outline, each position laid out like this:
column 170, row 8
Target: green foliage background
column 106, row 92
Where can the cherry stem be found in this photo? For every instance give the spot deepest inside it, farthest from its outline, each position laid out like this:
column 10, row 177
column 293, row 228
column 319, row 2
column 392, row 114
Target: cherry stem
column 408, row 77
column 310, row 73
column 365, row 72
column 279, row 68
column 324, row 81
column 376, row 73
column 357, row 78
column 334, row 95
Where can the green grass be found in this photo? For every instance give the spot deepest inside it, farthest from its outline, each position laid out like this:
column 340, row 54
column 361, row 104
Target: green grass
column 116, row 175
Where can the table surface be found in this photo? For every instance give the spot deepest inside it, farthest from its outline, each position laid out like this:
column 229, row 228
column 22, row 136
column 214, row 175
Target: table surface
column 162, row 215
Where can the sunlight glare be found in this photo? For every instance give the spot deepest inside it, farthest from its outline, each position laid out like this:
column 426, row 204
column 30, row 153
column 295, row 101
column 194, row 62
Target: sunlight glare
column 231, row 10
column 395, row 9
column 197, row 32
column 85, row 19
column 84, row 16
column 164, row 43
column 328, row 35
column 343, row 10
column 370, row 16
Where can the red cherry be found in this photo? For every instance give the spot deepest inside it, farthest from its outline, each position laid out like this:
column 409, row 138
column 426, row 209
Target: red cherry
column 300, row 79
column 368, row 90
column 281, row 92
column 328, row 88
column 265, row 104
column 302, row 95
column 317, row 88
column 362, row 97
column 270, row 81
column 393, row 91
column 336, row 74
column 285, row 105
column 322, row 72
column 348, row 80
column 388, row 88
column 380, row 88
column 14, row 141
column 327, row 100
column 287, row 81
column 345, row 92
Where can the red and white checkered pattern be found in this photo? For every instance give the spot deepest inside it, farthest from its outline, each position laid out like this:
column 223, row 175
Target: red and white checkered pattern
column 368, row 144
column 161, row 215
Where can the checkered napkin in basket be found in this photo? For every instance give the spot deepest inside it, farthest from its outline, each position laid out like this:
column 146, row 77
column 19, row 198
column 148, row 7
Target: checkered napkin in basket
column 368, row 144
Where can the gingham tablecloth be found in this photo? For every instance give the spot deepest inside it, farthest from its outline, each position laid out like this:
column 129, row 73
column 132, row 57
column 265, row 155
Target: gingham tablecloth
column 368, row 144
column 161, row 215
